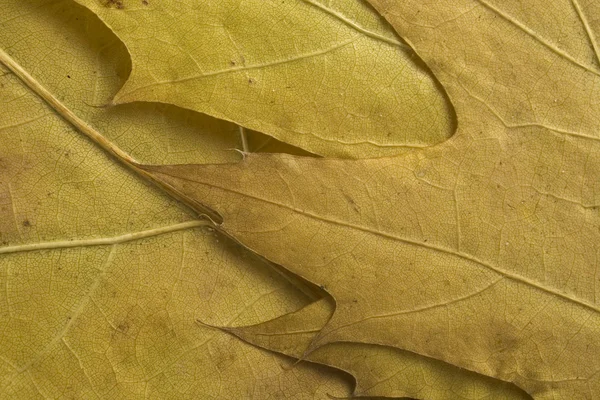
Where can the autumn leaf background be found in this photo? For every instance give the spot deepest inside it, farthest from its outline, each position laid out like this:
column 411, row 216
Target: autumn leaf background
column 430, row 231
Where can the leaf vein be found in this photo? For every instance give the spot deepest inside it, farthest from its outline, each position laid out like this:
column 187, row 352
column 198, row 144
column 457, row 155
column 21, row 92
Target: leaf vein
column 250, row 67
column 105, row 241
column 588, row 29
column 82, row 304
column 529, row 124
column 438, row 249
column 355, row 26
column 534, row 36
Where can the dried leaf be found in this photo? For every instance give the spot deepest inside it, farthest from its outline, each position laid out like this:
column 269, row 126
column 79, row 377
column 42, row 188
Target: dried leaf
column 378, row 370
column 481, row 252
column 102, row 278
column 329, row 77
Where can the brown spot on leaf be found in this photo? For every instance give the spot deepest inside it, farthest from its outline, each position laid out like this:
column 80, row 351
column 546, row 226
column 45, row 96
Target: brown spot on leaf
column 145, row 2
column 118, row 4
column 123, row 327
column 351, row 202
column 26, row 223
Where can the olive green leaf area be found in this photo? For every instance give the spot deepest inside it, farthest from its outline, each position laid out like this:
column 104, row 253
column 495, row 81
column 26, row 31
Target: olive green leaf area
column 102, row 277
column 330, row 77
column 482, row 251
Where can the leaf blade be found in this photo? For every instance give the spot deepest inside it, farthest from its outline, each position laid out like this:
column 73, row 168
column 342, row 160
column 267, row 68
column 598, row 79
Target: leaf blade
column 480, row 251
column 262, row 72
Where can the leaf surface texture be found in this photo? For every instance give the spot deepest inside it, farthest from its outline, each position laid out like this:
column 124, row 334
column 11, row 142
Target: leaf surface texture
column 102, row 277
column 329, row 77
column 481, row 251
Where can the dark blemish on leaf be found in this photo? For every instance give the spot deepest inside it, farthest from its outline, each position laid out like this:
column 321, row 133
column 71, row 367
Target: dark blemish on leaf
column 118, row 4
column 251, row 81
column 123, row 327
column 120, row 330
column 26, row 223
column 145, row 2
column 69, row 76
column 232, row 63
column 351, row 201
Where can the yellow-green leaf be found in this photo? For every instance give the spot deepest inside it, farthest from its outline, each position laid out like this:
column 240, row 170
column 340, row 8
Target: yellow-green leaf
column 102, row 277
column 329, row 77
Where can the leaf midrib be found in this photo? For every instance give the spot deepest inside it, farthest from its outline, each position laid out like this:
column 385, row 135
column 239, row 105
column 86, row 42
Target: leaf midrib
column 439, row 249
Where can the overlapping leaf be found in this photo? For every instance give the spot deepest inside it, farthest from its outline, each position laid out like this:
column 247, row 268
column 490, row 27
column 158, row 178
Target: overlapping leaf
column 329, row 77
column 378, row 370
column 482, row 251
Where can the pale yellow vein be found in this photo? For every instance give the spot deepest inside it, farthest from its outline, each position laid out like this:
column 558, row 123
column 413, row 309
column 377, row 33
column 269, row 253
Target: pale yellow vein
column 60, row 108
column 587, row 28
column 87, row 130
column 78, row 311
column 535, row 36
column 466, row 257
column 357, row 27
column 249, row 67
column 105, row 241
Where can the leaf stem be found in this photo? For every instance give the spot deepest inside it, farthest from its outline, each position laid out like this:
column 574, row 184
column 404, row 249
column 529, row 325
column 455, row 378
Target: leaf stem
column 98, row 138
column 61, row 109
column 244, row 137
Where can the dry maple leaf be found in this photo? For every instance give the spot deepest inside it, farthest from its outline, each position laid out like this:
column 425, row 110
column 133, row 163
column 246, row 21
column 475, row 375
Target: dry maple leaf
column 481, row 251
